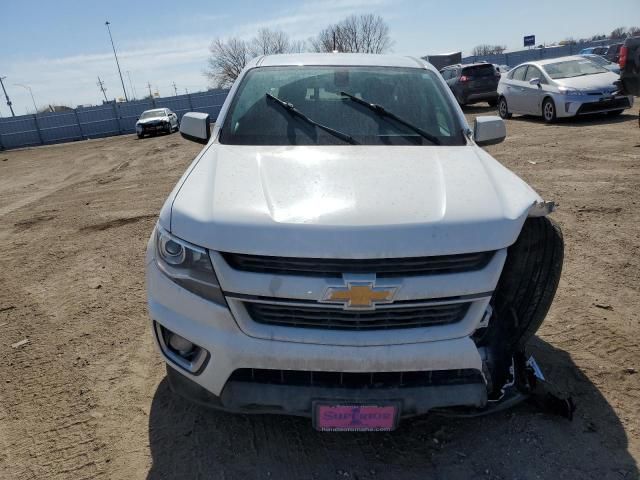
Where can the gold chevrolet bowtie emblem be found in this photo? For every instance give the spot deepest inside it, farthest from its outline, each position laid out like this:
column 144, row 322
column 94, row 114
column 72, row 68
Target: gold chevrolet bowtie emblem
column 359, row 295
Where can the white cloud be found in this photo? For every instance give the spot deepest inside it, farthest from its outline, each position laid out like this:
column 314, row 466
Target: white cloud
column 71, row 80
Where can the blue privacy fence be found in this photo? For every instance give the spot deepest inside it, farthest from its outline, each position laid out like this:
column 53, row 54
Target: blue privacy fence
column 100, row 121
column 516, row 58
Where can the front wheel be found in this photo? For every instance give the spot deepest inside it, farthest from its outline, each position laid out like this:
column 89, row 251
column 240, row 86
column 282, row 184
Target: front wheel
column 549, row 111
column 503, row 109
column 140, row 135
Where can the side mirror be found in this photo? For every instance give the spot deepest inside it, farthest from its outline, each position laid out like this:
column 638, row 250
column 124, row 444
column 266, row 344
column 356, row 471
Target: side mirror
column 196, row 127
column 489, row 130
column 535, row 81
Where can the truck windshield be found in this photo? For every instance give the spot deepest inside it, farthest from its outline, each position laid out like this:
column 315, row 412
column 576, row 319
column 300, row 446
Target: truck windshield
column 152, row 114
column 414, row 95
column 573, row 68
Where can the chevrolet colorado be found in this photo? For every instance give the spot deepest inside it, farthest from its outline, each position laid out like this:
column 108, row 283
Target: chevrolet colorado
column 343, row 249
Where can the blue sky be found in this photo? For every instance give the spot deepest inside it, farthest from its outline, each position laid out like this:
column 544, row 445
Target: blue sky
column 60, row 47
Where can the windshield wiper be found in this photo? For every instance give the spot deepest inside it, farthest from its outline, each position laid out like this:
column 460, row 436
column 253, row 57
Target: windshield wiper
column 383, row 112
column 294, row 111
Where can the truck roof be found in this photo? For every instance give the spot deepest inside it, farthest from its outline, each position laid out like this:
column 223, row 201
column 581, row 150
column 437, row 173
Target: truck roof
column 346, row 59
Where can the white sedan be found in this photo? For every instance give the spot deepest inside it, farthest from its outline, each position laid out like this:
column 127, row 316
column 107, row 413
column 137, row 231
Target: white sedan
column 155, row 121
column 560, row 87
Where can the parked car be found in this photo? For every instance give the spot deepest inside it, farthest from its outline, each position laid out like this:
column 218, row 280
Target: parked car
column 613, row 52
column 155, row 121
column 502, row 68
column 593, row 51
column 473, row 83
column 630, row 68
column 603, row 62
column 560, row 87
column 344, row 249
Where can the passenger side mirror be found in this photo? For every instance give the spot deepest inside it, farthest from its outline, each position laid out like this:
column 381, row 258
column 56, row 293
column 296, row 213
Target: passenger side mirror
column 196, row 127
column 489, row 130
column 535, row 81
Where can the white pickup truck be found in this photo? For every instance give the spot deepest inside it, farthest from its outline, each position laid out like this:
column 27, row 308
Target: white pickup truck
column 343, row 249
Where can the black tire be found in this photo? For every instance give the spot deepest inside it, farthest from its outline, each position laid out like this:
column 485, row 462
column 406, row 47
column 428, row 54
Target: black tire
column 528, row 281
column 503, row 109
column 549, row 110
column 493, row 102
column 140, row 135
column 615, row 113
column 523, row 296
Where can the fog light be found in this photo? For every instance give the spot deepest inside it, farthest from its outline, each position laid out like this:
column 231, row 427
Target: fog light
column 180, row 351
column 180, row 344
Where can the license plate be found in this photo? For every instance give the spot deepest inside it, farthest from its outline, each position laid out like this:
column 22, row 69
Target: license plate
column 348, row 417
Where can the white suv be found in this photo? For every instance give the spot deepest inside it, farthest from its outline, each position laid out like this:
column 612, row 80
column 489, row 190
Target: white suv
column 343, row 249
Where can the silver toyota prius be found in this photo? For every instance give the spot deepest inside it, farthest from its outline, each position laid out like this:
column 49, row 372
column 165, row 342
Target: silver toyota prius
column 560, row 87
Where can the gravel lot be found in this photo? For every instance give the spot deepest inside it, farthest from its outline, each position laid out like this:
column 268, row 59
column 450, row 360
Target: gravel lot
column 86, row 397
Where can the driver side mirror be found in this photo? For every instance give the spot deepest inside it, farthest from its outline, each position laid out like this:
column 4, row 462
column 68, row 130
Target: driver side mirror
column 489, row 130
column 535, row 81
column 196, row 127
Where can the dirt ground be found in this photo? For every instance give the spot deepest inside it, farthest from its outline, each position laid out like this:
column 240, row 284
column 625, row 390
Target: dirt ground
column 86, row 397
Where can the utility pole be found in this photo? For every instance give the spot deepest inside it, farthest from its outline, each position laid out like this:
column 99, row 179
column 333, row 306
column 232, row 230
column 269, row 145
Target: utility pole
column 175, row 89
column 7, row 97
column 132, row 90
column 32, row 99
column 149, row 87
column 117, row 63
column 104, row 90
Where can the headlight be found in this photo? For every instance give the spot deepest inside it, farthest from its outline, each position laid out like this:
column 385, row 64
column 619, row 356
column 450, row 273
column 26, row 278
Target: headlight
column 569, row 91
column 187, row 265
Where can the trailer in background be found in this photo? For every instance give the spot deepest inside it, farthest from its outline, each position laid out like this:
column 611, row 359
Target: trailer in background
column 444, row 59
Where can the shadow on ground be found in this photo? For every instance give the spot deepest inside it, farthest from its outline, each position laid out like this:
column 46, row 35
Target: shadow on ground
column 581, row 121
column 191, row 442
column 480, row 109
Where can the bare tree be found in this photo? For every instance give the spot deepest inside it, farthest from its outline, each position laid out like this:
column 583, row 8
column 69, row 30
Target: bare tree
column 488, row 50
column 355, row 34
column 227, row 60
column 229, row 57
column 620, row 32
column 634, row 31
column 270, row 42
column 568, row 41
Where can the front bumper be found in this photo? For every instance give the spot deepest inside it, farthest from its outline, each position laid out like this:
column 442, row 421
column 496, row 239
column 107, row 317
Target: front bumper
column 246, row 397
column 570, row 106
column 153, row 128
column 213, row 328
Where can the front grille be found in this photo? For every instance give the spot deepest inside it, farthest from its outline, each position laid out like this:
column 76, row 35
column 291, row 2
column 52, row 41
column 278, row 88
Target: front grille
column 357, row 380
column 337, row 319
column 616, row 103
column 383, row 267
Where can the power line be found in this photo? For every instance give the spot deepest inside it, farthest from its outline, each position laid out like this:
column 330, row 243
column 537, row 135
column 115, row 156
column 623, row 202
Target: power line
column 103, row 89
column 117, row 63
column 30, row 92
column 133, row 90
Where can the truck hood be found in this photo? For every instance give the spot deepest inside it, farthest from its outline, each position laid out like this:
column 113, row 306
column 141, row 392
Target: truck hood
column 348, row 202
column 144, row 121
column 598, row 81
